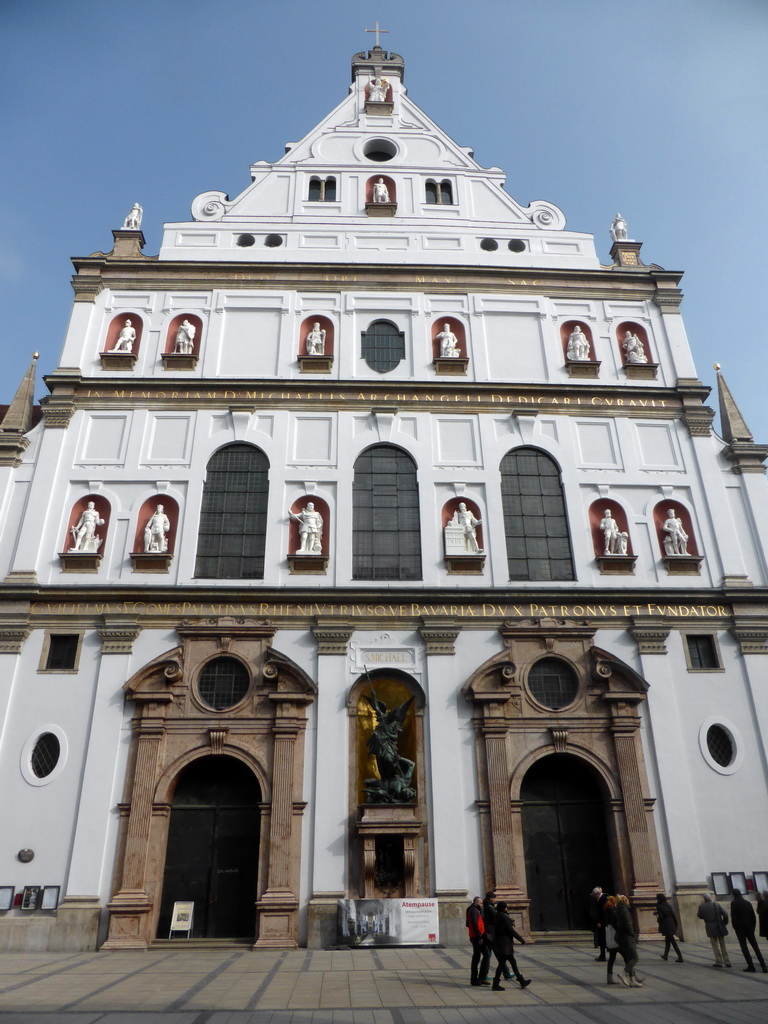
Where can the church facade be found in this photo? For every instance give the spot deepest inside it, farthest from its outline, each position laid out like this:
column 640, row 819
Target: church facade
column 373, row 438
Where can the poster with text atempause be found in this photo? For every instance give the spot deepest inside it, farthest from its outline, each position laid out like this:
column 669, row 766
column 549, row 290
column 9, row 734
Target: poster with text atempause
column 410, row 922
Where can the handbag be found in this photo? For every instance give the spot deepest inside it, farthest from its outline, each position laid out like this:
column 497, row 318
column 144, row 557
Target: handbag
column 610, row 937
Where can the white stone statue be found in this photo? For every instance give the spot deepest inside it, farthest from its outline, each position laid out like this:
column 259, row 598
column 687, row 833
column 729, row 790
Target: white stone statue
column 461, row 533
column 676, row 539
column 125, row 338
column 185, row 339
column 156, row 531
column 316, row 341
column 310, row 530
column 84, row 536
column 380, row 192
column 377, row 91
column 616, row 541
column 133, row 221
column 578, row 346
column 619, row 229
column 449, row 343
column 633, row 347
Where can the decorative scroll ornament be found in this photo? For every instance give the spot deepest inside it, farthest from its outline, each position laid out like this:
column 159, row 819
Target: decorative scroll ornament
column 545, row 215
column 211, row 206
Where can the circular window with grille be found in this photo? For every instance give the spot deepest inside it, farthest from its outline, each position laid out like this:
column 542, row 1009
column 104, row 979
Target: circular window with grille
column 223, row 683
column 552, row 683
column 721, row 745
column 45, row 755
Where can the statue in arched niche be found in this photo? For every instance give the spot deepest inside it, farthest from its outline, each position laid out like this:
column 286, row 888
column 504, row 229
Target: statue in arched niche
column 316, row 341
column 380, row 192
column 578, row 346
column 449, row 343
column 156, row 531
column 616, row 540
column 126, row 338
column 185, row 339
column 633, row 349
column 377, row 90
column 310, row 530
column 675, row 539
column 395, row 772
column 84, row 536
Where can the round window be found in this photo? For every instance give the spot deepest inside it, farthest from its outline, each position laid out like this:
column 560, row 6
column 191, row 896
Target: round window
column 273, row 241
column 553, row 683
column 489, row 244
column 380, row 150
column 245, row 241
column 516, row 245
column 223, row 683
column 45, row 755
column 720, row 745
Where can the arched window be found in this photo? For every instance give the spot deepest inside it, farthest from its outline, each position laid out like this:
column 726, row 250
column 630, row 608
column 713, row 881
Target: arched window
column 535, row 521
column 383, row 346
column 386, row 541
column 431, row 193
column 445, row 193
column 322, row 190
column 233, row 519
column 330, row 190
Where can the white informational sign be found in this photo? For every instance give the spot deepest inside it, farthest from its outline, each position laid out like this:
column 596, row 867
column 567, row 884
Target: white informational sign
column 410, row 922
column 181, row 918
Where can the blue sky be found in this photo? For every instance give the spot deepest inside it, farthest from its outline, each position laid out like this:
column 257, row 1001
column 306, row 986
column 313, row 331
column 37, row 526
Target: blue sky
column 656, row 108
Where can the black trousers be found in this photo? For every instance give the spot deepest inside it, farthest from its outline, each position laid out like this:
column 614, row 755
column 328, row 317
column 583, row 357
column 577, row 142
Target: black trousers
column 670, row 940
column 502, row 959
column 750, row 938
column 481, row 960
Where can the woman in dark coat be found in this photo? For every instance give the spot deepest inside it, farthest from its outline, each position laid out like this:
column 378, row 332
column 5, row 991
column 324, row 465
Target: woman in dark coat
column 627, row 943
column 665, row 915
column 504, row 946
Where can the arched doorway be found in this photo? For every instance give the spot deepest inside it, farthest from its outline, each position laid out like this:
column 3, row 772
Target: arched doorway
column 213, row 847
column 566, row 842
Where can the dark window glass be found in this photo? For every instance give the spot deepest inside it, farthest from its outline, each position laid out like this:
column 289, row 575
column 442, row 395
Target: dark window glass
column 446, row 192
column 383, row 346
column 702, row 652
column 62, row 652
column 719, row 745
column 431, row 193
column 233, row 520
column 46, row 755
column 386, row 540
column 489, row 244
column 330, row 190
column 535, row 522
column 553, row 683
column 315, row 190
column 223, row 683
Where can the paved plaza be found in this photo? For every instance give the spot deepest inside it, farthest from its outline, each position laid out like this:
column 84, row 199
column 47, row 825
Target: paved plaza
column 369, row 986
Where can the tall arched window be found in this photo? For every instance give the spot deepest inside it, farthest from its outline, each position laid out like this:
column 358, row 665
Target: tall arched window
column 233, row 519
column 386, row 540
column 383, row 346
column 535, row 521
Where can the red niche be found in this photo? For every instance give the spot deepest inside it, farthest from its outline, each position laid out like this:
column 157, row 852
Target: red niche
column 639, row 332
column 387, row 99
column 597, row 512
column 324, row 324
column 387, row 181
column 168, row 507
column 661, row 514
column 173, row 330
column 567, row 329
column 452, row 506
column 294, row 535
column 455, row 327
column 117, row 325
column 85, row 526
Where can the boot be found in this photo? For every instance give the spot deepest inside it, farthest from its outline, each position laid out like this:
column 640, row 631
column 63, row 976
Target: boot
column 635, row 982
column 611, row 980
column 524, row 982
column 495, row 987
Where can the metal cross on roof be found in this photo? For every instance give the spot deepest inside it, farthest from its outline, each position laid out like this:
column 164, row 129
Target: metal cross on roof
column 377, row 30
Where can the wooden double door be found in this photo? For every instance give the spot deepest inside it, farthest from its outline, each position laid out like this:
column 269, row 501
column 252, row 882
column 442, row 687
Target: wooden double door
column 566, row 843
column 212, row 853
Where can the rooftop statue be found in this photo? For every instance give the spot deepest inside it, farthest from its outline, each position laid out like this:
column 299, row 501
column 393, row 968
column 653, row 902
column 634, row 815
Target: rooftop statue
column 133, row 221
column 619, row 229
column 394, row 783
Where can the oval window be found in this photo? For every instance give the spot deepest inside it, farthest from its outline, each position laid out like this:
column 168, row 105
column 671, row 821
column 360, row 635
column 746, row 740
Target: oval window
column 553, row 683
column 720, row 745
column 223, row 683
column 45, row 755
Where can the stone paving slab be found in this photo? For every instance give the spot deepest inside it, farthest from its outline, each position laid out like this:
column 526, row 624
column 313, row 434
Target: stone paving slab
column 376, row 986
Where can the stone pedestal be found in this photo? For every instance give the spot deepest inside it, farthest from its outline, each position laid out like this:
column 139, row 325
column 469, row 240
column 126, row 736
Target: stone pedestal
column 151, row 561
column 450, row 366
column 80, row 561
column 308, row 565
column 465, row 565
column 315, row 364
column 381, row 209
column 179, row 360
column 617, row 565
column 118, row 360
column 641, row 371
column 583, row 367
column 389, row 820
column 683, row 565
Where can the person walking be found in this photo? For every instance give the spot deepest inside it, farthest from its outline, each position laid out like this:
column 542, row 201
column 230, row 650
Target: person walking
column 744, row 921
column 595, row 905
column 504, row 947
column 489, row 918
column 611, row 943
column 715, row 920
column 665, row 915
column 481, row 955
column 627, row 943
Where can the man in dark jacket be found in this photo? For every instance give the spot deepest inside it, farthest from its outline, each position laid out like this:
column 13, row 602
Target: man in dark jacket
column 481, row 954
column 715, row 919
column 596, row 909
column 743, row 920
column 489, row 917
column 503, row 947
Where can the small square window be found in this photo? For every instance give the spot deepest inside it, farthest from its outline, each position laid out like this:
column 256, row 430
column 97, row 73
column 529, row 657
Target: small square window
column 61, row 652
column 702, row 653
